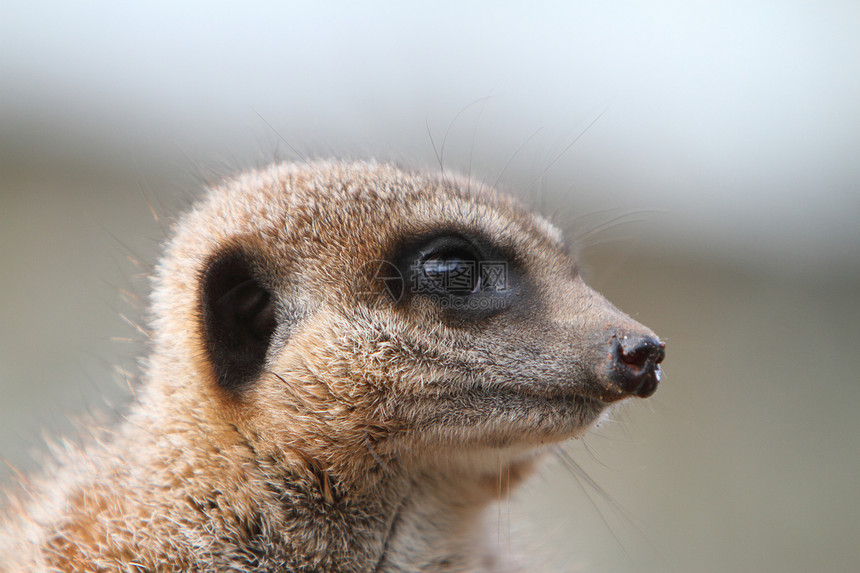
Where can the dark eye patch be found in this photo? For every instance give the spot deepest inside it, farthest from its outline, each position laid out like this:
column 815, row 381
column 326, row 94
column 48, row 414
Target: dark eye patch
column 467, row 277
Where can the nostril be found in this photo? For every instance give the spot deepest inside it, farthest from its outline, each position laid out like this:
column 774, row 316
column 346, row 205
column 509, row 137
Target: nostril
column 642, row 353
column 637, row 360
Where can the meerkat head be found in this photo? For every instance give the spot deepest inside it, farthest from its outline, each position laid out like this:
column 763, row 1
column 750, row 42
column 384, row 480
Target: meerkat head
column 340, row 312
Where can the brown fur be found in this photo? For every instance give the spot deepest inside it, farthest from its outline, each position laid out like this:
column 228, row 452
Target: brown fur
column 376, row 435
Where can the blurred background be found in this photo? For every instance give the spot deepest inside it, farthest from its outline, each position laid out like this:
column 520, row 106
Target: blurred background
column 705, row 155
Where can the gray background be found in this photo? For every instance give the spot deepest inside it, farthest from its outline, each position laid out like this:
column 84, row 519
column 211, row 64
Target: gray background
column 707, row 157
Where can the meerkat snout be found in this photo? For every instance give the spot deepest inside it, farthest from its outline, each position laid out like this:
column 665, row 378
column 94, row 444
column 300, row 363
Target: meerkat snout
column 346, row 359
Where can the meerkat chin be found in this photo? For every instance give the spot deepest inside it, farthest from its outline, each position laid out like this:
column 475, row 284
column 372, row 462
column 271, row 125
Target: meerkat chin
column 341, row 355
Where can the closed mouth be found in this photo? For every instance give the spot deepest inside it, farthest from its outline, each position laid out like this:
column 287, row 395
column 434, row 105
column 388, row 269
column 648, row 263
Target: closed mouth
column 538, row 397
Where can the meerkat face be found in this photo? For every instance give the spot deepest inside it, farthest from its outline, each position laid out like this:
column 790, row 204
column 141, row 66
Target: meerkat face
column 352, row 305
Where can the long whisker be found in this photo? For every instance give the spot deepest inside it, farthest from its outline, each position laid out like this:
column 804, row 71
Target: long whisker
column 376, row 457
column 453, row 121
column 636, row 216
column 499, row 494
column 433, row 145
column 567, row 147
column 513, row 155
column 474, row 137
column 584, row 479
column 282, row 138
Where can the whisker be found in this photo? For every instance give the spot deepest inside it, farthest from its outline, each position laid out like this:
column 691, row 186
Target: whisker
column 433, row 145
column 584, row 479
column 282, row 138
column 513, row 155
column 567, row 147
column 508, row 516
column 629, row 217
column 376, row 457
column 453, row 121
column 499, row 495
column 474, row 137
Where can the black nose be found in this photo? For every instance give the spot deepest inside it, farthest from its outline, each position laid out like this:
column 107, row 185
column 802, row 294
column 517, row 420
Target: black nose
column 637, row 363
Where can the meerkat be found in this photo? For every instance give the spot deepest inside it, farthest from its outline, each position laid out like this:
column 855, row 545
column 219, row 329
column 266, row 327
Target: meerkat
column 346, row 361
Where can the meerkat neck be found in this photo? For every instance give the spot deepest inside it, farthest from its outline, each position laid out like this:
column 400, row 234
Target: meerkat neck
column 405, row 522
column 438, row 525
column 427, row 518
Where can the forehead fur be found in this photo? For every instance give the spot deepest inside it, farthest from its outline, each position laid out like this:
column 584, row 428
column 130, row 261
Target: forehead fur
column 326, row 219
column 338, row 202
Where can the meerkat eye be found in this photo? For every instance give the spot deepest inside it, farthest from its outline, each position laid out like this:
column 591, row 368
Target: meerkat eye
column 453, row 271
column 467, row 277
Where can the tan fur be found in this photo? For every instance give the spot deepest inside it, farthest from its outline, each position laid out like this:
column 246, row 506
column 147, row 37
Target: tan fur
column 375, row 438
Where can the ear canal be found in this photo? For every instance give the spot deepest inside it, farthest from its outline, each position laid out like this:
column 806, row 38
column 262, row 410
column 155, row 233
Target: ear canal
column 238, row 319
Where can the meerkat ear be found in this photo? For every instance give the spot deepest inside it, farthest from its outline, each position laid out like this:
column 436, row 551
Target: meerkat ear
column 238, row 318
